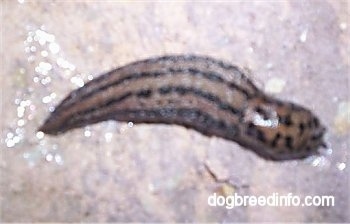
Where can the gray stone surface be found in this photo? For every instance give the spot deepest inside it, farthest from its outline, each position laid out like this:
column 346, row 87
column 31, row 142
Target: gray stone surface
column 297, row 50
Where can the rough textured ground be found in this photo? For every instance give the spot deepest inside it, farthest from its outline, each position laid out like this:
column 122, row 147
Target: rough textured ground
column 297, row 50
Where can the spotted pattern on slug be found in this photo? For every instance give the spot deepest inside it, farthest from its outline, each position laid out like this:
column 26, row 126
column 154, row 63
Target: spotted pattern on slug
column 202, row 93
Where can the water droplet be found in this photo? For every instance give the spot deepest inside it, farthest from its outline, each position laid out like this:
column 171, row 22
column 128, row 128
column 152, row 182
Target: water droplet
column 108, row 136
column 12, row 139
column 316, row 161
column 25, row 103
column 47, row 99
column 343, row 26
column 20, row 122
column 303, row 36
column 31, row 58
column 65, row 64
column 320, row 161
column 77, row 81
column 58, row 159
column 32, row 48
column 42, row 37
column 29, row 39
column 20, row 111
column 10, row 143
column 43, row 68
column 40, row 134
column 19, row 131
column 10, row 135
column 26, row 155
column 45, row 80
column 269, row 65
column 54, row 48
column 49, row 157
column 329, row 151
column 44, row 53
column 16, row 139
column 341, row 166
column 87, row 133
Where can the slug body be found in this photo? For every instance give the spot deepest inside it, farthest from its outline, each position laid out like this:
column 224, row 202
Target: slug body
column 197, row 92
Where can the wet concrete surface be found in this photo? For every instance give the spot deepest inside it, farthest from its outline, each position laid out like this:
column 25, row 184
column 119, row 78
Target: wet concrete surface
column 122, row 172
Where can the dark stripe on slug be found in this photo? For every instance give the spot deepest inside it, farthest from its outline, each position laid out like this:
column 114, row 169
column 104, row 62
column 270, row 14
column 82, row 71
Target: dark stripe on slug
column 301, row 128
column 316, row 122
column 275, row 140
column 195, row 58
column 254, row 132
column 145, row 93
column 286, row 120
column 208, row 96
column 289, row 142
column 87, row 114
column 164, row 90
column 167, row 90
column 115, row 100
column 261, row 136
column 188, row 117
column 212, row 76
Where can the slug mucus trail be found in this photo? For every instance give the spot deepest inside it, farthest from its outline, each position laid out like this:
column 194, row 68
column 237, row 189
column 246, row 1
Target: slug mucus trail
column 202, row 93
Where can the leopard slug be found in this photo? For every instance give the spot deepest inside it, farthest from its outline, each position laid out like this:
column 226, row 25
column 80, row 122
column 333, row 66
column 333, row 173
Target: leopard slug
column 202, row 93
